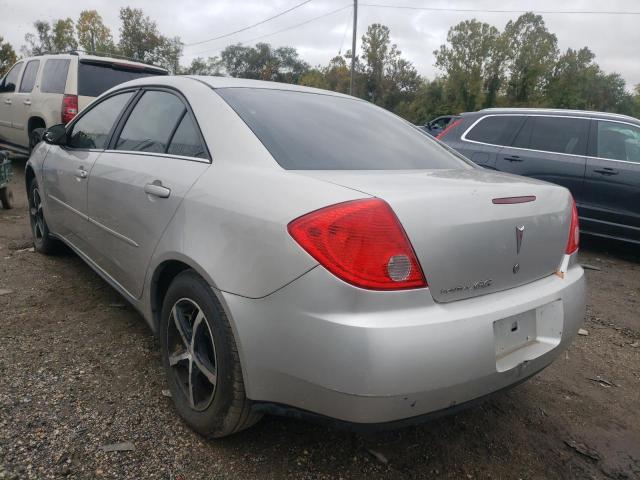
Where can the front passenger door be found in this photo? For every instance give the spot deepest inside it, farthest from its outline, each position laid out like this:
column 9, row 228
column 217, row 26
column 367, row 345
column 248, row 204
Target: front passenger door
column 7, row 89
column 67, row 168
column 137, row 185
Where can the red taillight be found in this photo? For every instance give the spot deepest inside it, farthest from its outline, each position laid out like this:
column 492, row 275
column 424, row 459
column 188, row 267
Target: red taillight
column 361, row 242
column 69, row 108
column 444, row 132
column 574, row 230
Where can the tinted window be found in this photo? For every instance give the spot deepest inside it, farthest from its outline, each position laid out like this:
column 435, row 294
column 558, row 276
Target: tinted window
column 554, row 134
column 186, row 141
column 10, row 80
column 151, row 123
column 29, row 76
column 308, row 131
column 93, row 128
column 618, row 141
column 496, row 130
column 96, row 78
column 54, row 75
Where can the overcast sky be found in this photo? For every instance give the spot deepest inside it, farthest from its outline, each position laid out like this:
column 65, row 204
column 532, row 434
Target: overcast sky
column 615, row 39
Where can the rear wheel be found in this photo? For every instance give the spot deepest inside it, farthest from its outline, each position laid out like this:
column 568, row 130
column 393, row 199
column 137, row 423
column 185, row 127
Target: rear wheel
column 35, row 137
column 201, row 360
column 42, row 240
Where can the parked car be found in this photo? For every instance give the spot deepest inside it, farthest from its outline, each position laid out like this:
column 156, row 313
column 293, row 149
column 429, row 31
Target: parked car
column 438, row 124
column 595, row 155
column 38, row 92
column 302, row 262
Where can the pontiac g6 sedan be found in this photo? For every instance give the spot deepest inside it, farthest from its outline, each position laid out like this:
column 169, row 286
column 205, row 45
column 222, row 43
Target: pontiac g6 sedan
column 305, row 252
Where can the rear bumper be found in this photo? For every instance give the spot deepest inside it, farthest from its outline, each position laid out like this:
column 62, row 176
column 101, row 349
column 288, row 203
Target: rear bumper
column 366, row 357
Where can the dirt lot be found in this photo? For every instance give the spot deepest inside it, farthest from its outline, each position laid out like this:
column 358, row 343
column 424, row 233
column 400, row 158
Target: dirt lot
column 79, row 370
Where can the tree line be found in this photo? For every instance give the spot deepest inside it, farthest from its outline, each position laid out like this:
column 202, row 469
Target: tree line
column 479, row 66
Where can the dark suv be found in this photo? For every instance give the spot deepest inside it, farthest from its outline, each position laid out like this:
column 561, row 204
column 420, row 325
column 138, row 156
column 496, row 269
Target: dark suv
column 595, row 155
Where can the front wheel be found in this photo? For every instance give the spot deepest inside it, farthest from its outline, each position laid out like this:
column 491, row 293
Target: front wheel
column 42, row 240
column 201, row 360
column 6, row 197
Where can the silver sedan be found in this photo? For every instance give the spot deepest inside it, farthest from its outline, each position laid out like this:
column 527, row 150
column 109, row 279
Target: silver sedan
column 305, row 252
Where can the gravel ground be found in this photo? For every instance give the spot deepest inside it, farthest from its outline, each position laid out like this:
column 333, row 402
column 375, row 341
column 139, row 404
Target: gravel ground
column 80, row 370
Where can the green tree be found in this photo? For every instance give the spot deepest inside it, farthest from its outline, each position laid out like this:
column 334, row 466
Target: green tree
column 59, row 36
column 40, row 42
column 93, row 34
column 472, row 63
column 263, row 62
column 531, row 52
column 63, row 36
column 7, row 56
column 201, row 66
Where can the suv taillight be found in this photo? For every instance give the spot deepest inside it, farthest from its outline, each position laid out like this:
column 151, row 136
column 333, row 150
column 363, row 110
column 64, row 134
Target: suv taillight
column 69, row 108
column 444, row 132
column 574, row 230
column 362, row 242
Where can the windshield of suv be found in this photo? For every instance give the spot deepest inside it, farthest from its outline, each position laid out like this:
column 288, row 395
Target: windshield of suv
column 307, row 131
column 96, row 78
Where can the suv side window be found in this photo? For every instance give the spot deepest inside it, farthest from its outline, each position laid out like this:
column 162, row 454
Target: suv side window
column 8, row 85
column 151, row 123
column 618, row 141
column 54, row 75
column 495, row 129
column 29, row 76
column 92, row 130
column 186, row 140
column 554, row 134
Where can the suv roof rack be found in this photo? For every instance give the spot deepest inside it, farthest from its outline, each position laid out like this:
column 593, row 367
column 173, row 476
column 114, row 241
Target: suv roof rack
column 78, row 51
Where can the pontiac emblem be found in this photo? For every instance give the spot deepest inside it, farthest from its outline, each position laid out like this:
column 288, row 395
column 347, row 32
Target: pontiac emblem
column 519, row 235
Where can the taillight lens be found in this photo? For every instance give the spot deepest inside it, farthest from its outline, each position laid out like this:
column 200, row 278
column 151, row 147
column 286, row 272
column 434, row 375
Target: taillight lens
column 69, row 108
column 362, row 242
column 574, row 231
column 444, row 132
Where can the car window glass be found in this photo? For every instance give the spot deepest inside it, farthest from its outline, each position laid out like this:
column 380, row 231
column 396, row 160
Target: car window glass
column 54, row 75
column 495, row 130
column 618, row 141
column 186, row 140
column 151, row 123
column 554, row 134
column 307, row 131
column 10, row 80
column 29, row 76
column 93, row 128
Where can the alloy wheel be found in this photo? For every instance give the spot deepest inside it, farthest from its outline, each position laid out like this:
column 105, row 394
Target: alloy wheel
column 36, row 214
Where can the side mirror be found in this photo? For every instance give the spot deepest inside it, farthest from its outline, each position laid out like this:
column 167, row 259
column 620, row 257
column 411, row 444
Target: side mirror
column 56, row 135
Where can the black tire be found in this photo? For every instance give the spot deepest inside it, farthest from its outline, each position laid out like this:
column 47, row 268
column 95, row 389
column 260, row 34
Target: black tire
column 213, row 409
column 6, row 198
column 35, row 137
column 42, row 240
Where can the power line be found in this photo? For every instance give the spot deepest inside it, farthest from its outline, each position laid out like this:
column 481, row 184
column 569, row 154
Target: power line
column 332, row 12
column 478, row 10
column 249, row 26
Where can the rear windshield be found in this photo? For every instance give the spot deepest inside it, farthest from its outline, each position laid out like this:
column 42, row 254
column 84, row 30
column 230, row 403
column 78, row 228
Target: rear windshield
column 96, row 78
column 306, row 131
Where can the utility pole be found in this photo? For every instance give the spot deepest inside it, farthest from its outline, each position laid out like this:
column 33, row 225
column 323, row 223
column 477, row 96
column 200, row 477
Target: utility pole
column 353, row 44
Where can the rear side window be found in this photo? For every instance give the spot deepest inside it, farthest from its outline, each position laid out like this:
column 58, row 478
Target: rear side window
column 618, row 141
column 554, row 134
column 495, row 130
column 151, row 123
column 29, row 76
column 54, row 75
column 186, row 140
column 307, row 131
column 96, row 78
column 11, row 79
column 93, row 128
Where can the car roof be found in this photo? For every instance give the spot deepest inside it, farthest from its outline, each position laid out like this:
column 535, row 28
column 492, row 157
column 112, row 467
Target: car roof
column 559, row 112
column 96, row 58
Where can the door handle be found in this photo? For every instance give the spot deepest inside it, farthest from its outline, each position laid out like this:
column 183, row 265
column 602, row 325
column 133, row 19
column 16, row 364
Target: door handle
column 7, row 101
column 513, row 158
column 81, row 173
column 157, row 189
column 606, row 171
column 27, row 102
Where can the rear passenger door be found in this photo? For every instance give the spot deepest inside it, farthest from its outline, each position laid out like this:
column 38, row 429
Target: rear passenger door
column 136, row 186
column 549, row 148
column 612, row 182
column 8, row 86
column 22, row 103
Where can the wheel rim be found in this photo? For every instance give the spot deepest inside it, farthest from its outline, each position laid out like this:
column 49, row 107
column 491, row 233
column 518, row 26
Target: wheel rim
column 192, row 353
column 36, row 214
